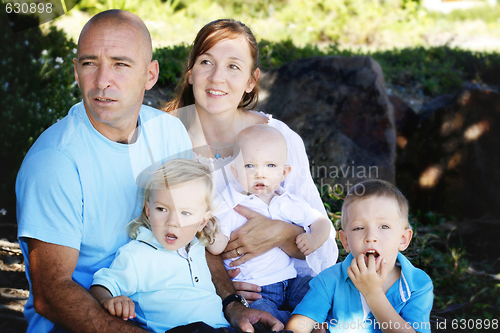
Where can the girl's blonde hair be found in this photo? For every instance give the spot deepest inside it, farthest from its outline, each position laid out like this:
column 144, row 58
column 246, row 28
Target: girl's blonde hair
column 172, row 173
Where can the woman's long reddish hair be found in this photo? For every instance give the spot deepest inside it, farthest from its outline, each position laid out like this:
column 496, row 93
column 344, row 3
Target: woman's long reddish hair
column 207, row 37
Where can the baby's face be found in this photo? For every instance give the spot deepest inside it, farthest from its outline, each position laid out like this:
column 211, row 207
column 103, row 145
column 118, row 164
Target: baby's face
column 375, row 228
column 260, row 167
column 178, row 213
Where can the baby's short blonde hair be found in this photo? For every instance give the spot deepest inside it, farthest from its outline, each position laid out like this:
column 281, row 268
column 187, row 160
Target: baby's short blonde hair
column 377, row 188
column 172, row 173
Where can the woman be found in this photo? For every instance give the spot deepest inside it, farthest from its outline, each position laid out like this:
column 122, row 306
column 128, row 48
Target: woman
column 219, row 86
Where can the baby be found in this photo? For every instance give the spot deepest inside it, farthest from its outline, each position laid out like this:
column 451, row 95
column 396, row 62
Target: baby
column 375, row 289
column 260, row 167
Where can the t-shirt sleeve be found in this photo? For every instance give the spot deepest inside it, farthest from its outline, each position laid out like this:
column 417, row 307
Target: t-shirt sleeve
column 298, row 211
column 121, row 277
column 318, row 301
column 418, row 308
column 49, row 199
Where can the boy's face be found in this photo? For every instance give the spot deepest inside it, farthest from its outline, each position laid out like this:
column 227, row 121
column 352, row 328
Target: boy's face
column 260, row 167
column 178, row 213
column 374, row 227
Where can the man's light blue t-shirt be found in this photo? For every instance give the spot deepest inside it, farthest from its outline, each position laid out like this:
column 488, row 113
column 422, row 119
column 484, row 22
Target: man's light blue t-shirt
column 77, row 188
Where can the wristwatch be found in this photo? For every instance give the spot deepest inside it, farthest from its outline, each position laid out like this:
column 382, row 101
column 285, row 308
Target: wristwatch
column 233, row 298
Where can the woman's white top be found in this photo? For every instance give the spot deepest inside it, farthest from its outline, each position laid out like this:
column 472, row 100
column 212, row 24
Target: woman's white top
column 298, row 182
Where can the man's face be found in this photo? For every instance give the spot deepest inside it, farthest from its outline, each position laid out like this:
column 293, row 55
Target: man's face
column 112, row 71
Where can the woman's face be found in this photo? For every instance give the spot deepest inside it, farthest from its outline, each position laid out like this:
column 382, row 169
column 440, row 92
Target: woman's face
column 222, row 75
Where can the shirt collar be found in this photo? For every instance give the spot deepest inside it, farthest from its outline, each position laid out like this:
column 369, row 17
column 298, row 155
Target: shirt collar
column 233, row 198
column 146, row 236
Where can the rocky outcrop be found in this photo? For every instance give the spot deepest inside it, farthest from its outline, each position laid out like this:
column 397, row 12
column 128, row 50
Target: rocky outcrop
column 339, row 106
column 451, row 164
column 406, row 121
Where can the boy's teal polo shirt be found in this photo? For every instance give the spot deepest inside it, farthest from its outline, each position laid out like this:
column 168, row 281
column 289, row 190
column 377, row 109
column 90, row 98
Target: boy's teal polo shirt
column 334, row 299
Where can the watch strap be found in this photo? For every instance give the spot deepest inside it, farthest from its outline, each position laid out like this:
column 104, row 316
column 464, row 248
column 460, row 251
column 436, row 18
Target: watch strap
column 233, row 298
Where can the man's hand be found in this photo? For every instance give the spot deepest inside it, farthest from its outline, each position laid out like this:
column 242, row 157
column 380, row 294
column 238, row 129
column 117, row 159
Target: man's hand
column 259, row 235
column 368, row 280
column 248, row 290
column 244, row 318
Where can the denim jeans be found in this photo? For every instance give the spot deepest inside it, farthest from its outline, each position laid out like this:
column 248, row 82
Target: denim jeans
column 279, row 299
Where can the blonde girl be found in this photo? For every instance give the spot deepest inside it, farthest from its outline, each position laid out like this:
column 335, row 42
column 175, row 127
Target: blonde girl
column 161, row 277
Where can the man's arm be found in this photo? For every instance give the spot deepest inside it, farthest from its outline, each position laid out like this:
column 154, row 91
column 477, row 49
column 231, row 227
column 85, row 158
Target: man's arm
column 238, row 315
column 61, row 300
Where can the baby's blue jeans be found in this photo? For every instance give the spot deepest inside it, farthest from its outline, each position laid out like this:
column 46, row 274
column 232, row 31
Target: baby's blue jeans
column 279, row 299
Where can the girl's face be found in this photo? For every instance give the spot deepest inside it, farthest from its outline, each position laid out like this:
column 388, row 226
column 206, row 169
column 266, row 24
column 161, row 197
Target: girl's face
column 178, row 213
column 222, row 75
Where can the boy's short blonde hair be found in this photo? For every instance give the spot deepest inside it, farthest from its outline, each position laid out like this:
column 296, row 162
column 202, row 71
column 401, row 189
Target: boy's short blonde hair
column 172, row 173
column 377, row 188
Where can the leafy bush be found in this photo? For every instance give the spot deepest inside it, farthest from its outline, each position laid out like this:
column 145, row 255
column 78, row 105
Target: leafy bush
column 172, row 61
column 37, row 87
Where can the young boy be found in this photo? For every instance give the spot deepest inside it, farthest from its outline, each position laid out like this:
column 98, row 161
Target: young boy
column 260, row 167
column 376, row 288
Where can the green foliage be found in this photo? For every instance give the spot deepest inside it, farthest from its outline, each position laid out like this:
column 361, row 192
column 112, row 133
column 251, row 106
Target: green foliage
column 150, row 8
column 37, row 87
column 484, row 13
column 172, row 61
column 437, row 70
column 461, row 289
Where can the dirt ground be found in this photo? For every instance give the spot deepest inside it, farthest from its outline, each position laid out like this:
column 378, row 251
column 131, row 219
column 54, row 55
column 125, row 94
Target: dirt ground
column 14, row 288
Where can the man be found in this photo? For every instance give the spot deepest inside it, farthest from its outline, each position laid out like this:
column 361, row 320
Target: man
column 76, row 188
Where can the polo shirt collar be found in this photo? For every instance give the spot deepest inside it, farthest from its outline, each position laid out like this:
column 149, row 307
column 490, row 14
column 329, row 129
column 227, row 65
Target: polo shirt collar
column 146, row 236
column 234, row 198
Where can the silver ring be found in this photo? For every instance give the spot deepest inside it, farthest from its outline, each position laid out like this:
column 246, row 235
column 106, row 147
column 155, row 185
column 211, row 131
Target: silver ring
column 238, row 252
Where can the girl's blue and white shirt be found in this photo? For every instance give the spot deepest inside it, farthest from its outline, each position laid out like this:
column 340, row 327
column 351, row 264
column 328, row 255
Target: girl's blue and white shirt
column 169, row 288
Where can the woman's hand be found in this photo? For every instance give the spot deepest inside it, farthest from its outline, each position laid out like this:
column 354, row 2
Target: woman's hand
column 259, row 235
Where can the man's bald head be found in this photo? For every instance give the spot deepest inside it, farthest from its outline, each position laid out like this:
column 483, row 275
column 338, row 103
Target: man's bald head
column 116, row 18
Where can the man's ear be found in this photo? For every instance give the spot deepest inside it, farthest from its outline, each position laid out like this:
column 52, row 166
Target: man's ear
column 75, row 62
column 253, row 81
column 343, row 239
column 153, row 71
column 405, row 239
column 234, row 171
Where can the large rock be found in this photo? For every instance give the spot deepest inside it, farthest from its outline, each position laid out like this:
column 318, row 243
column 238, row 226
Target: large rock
column 339, row 106
column 451, row 164
column 406, row 121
